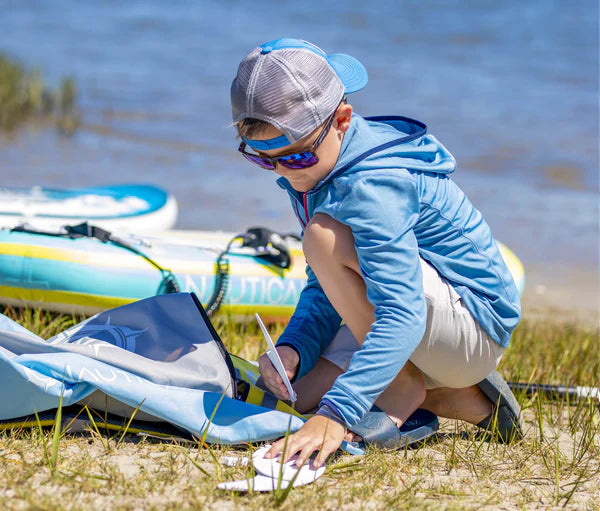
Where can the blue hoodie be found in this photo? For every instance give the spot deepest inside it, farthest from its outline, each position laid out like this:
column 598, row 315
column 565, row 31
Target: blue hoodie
column 390, row 185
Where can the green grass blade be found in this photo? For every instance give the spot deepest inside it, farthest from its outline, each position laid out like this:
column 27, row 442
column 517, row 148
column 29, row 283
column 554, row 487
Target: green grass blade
column 56, row 435
column 129, row 423
column 43, row 439
column 195, row 463
column 94, row 425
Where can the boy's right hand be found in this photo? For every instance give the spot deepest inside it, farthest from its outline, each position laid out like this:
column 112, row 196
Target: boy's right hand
column 272, row 380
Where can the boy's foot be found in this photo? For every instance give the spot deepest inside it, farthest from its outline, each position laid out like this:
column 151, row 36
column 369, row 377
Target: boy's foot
column 504, row 421
column 377, row 428
column 477, row 405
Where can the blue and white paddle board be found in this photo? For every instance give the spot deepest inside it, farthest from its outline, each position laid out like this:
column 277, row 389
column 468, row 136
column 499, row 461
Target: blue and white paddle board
column 85, row 275
column 136, row 207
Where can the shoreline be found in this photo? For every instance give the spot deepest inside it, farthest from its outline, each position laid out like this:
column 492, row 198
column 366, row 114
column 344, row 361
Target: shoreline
column 562, row 292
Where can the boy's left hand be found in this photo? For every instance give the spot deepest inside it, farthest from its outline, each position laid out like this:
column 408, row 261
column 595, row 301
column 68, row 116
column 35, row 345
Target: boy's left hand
column 318, row 434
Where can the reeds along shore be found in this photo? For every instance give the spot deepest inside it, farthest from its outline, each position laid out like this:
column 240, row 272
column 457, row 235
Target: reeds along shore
column 555, row 465
column 24, row 97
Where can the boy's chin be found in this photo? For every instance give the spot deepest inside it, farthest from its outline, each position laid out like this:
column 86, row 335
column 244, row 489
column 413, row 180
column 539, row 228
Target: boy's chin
column 302, row 185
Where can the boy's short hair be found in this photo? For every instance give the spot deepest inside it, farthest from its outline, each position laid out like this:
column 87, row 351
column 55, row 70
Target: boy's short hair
column 250, row 127
column 292, row 85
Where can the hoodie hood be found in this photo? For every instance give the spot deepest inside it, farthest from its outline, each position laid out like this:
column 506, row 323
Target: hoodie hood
column 387, row 142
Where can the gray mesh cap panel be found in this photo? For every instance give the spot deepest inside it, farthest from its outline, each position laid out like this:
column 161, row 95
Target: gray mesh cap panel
column 294, row 89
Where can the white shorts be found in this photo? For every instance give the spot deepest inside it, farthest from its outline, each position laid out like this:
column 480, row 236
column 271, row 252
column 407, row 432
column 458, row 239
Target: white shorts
column 455, row 350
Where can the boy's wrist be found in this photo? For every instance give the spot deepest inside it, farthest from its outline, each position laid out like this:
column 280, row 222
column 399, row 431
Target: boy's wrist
column 329, row 412
column 292, row 360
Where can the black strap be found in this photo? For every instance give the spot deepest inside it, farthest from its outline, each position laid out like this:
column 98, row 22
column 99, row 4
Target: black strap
column 89, row 231
column 269, row 246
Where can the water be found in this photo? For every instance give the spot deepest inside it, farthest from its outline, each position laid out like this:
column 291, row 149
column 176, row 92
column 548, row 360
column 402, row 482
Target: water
column 511, row 88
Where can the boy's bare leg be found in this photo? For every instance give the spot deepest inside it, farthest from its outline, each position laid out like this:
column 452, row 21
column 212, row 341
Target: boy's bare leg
column 468, row 404
column 329, row 248
column 314, row 385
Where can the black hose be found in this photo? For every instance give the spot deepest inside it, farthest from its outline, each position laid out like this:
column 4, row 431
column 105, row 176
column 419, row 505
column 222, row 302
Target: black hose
column 220, row 289
column 221, row 279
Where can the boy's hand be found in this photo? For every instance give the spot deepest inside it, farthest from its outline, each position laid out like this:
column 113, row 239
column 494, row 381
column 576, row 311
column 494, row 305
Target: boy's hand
column 318, row 434
column 272, row 380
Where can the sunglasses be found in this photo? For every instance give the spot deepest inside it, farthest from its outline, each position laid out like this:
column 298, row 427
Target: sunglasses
column 299, row 160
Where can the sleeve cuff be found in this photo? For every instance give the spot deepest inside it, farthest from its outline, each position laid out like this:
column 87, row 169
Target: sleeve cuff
column 328, row 409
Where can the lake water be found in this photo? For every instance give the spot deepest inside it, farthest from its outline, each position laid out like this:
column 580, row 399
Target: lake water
column 511, row 88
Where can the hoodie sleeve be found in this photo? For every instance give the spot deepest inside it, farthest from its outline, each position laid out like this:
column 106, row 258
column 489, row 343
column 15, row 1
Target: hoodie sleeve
column 381, row 209
column 312, row 326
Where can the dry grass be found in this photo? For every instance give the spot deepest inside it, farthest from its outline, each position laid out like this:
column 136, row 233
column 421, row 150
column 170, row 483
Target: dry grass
column 556, row 465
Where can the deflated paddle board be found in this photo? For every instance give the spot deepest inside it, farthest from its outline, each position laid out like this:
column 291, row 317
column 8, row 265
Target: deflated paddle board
column 138, row 208
column 87, row 276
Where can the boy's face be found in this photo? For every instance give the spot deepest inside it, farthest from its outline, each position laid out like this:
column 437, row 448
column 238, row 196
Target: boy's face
column 303, row 180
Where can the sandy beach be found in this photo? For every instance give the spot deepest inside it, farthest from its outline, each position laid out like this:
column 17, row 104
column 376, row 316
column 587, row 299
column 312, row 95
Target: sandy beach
column 569, row 293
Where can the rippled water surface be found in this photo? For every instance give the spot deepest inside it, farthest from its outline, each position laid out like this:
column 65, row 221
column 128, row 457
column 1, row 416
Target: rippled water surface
column 511, row 88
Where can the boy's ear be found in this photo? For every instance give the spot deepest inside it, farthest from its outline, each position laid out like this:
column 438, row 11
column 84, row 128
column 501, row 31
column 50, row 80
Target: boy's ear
column 343, row 117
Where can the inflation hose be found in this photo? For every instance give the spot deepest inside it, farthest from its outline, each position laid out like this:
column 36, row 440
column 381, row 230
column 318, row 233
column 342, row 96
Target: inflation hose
column 266, row 244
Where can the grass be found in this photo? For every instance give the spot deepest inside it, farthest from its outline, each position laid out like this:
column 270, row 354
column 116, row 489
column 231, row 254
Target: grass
column 24, row 97
column 555, row 466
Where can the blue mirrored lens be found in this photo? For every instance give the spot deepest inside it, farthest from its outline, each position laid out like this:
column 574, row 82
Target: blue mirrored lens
column 299, row 160
column 258, row 160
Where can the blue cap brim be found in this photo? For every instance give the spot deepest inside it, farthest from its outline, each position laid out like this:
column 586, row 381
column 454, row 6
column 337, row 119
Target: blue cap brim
column 267, row 145
column 352, row 73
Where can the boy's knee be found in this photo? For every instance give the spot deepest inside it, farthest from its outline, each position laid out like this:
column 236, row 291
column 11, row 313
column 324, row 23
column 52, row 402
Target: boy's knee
column 324, row 236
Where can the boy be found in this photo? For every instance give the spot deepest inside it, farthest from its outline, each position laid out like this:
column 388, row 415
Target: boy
column 394, row 249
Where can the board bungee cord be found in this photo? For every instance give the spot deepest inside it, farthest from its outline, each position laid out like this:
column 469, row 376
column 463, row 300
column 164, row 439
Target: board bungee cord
column 168, row 283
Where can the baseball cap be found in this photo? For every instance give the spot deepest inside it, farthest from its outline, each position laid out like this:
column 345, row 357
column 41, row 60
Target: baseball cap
column 294, row 86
